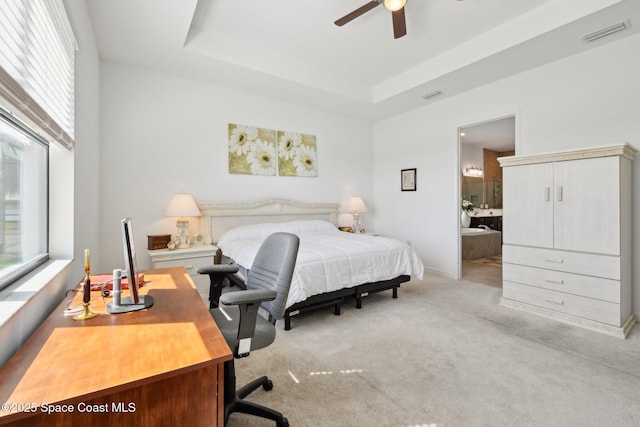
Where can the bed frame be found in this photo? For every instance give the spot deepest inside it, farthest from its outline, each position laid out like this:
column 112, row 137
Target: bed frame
column 217, row 218
column 336, row 298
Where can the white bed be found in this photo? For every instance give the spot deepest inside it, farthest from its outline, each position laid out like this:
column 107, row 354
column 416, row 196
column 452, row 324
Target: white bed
column 328, row 259
column 331, row 264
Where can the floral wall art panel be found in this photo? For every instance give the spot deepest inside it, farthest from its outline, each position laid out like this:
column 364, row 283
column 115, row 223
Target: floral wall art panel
column 252, row 150
column 297, row 154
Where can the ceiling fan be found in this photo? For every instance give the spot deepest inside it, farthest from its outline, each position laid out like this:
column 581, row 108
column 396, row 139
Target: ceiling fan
column 397, row 14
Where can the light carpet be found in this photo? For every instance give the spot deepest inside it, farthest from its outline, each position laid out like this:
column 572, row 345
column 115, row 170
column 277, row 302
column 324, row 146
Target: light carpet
column 445, row 353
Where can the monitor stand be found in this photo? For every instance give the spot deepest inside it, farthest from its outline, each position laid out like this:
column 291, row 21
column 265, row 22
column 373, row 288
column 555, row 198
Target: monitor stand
column 126, row 304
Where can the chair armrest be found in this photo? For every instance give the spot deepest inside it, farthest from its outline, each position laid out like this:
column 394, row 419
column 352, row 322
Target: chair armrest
column 253, row 296
column 217, row 274
column 248, row 303
column 218, row 269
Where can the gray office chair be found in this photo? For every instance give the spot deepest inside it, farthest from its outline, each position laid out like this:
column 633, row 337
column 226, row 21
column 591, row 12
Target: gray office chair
column 237, row 316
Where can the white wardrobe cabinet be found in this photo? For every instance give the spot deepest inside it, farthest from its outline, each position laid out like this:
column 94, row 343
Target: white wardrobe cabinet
column 566, row 236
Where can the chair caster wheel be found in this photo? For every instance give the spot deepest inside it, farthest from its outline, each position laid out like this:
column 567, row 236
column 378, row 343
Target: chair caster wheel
column 283, row 423
column 268, row 386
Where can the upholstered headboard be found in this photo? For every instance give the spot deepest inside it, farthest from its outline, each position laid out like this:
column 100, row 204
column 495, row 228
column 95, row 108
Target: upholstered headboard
column 219, row 217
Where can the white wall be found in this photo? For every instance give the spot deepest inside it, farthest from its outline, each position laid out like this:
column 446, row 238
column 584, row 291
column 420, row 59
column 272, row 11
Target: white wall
column 162, row 134
column 86, row 165
column 589, row 99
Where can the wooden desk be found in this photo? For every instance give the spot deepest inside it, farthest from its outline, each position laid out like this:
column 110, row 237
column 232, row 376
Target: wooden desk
column 156, row 367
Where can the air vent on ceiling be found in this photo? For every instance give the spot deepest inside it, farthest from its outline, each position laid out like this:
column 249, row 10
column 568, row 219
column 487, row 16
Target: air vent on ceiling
column 612, row 29
column 431, row 95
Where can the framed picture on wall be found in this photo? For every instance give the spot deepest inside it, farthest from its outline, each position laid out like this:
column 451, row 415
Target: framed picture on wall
column 408, row 180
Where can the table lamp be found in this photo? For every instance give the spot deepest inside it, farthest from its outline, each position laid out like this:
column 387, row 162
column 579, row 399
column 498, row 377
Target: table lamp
column 182, row 206
column 355, row 207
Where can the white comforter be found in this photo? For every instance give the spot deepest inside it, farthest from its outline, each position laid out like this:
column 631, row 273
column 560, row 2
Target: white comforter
column 328, row 259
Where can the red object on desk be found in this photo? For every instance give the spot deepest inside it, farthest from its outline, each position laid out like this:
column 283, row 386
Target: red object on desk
column 104, row 281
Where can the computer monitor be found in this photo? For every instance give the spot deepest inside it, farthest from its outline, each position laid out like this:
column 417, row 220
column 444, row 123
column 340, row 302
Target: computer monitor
column 130, row 258
column 135, row 301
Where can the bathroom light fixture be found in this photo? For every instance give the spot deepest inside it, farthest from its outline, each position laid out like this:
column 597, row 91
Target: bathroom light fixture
column 612, row 29
column 394, row 5
column 355, row 207
column 473, row 171
column 182, row 206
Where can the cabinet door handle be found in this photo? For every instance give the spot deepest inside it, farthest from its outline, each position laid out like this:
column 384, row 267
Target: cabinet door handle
column 556, row 281
column 547, row 194
column 555, row 260
column 560, row 302
column 188, row 267
column 560, row 193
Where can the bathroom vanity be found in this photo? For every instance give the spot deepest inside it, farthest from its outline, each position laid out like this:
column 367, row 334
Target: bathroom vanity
column 492, row 218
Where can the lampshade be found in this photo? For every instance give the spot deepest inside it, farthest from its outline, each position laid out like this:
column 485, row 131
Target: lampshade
column 182, row 205
column 394, row 5
column 356, row 205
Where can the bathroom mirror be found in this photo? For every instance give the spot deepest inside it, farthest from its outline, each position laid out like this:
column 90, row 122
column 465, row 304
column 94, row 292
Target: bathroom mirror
column 481, row 193
column 473, row 190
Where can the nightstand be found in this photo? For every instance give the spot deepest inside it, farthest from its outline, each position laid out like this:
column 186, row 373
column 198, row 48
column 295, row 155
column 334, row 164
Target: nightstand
column 190, row 258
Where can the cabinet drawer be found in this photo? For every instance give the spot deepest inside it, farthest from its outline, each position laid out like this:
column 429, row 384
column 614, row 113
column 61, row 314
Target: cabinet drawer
column 577, row 284
column 572, row 262
column 190, row 264
column 587, row 308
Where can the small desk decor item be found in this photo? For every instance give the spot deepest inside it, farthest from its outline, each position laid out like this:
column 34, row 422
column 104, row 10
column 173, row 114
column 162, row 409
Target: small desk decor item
column 86, row 290
column 158, row 241
column 408, row 180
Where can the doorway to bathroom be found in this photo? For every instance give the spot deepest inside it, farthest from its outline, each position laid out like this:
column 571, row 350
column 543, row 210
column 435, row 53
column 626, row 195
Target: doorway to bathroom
column 481, row 144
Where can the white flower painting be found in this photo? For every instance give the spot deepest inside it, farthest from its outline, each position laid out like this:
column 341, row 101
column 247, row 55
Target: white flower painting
column 262, row 158
column 305, row 161
column 252, row 150
column 241, row 139
column 265, row 152
column 297, row 154
column 288, row 144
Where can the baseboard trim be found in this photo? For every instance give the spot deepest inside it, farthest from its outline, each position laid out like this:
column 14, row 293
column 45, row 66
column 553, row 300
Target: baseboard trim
column 440, row 273
column 618, row 332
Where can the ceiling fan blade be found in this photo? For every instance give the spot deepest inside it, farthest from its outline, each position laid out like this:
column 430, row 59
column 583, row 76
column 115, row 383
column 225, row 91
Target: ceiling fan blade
column 399, row 24
column 359, row 11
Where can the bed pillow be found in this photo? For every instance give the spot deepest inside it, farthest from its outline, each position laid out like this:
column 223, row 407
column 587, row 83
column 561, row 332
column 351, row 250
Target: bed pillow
column 263, row 230
column 308, row 225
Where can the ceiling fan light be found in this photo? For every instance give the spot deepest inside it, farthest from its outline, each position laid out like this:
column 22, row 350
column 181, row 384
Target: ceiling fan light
column 394, row 5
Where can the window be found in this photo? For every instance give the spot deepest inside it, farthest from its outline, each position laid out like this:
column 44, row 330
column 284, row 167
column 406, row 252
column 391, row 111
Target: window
column 37, row 55
column 23, row 199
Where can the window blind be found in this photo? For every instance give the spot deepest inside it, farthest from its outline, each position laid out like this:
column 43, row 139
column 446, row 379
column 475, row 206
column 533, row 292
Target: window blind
column 37, row 53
